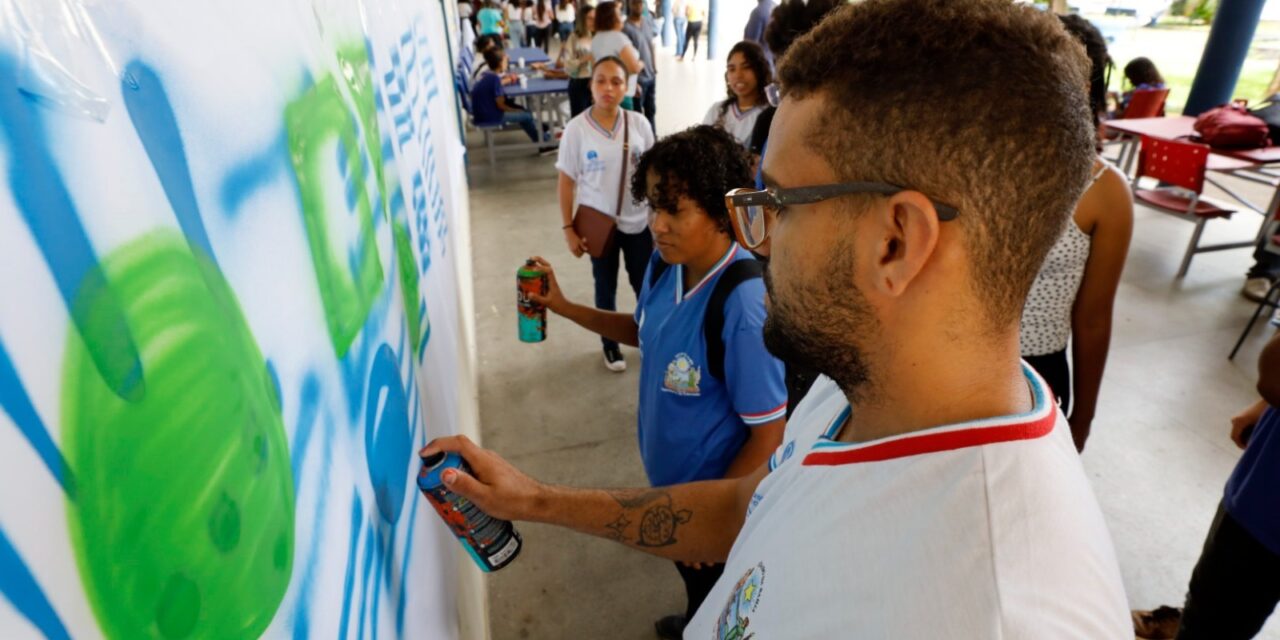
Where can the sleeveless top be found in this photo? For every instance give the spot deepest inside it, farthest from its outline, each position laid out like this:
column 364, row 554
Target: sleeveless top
column 1046, row 317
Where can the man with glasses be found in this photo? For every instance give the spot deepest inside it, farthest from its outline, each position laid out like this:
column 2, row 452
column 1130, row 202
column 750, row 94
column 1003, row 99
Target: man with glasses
column 927, row 486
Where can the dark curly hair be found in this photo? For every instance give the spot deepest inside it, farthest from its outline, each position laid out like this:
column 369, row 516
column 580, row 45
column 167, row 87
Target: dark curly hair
column 1095, row 46
column 794, row 18
column 701, row 163
column 1142, row 71
column 754, row 56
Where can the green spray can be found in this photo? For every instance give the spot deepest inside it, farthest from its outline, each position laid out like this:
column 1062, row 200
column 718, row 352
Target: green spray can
column 531, row 316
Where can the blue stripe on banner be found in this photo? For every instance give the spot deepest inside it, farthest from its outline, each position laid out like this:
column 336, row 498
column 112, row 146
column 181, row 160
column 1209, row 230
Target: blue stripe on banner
column 15, row 402
column 357, row 508
column 20, row 588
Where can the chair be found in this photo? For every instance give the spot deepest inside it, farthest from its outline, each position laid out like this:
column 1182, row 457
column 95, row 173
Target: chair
column 1182, row 165
column 1271, row 301
column 1144, row 103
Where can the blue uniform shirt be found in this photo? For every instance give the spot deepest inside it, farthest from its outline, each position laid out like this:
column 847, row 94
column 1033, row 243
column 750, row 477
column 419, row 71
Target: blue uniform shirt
column 691, row 424
column 1253, row 491
column 484, row 99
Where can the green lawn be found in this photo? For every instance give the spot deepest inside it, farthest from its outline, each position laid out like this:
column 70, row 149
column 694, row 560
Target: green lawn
column 1175, row 47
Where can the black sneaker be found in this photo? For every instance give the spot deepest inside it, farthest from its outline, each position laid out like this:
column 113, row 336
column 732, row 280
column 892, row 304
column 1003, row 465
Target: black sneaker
column 671, row 627
column 613, row 359
column 548, row 150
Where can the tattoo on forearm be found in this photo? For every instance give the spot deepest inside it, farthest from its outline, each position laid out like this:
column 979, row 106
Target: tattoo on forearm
column 657, row 524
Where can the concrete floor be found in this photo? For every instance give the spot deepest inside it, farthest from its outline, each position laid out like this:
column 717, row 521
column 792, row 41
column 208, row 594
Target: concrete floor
column 1158, row 457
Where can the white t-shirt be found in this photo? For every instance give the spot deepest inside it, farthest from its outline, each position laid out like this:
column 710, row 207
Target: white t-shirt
column 566, row 13
column 590, row 155
column 980, row 530
column 611, row 43
column 738, row 123
column 514, row 12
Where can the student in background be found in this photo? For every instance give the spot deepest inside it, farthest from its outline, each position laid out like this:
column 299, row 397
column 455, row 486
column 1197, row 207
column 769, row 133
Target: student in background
column 575, row 59
column 746, row 75
column 694, row 12
column 610, row 41
column 490, row 19
column 539, row 24
column 566, row 17
column 591, row 164
column 1236, row 583
column 1075, row 290
column 680, row 23
column 1141, row 74
column 698, row 419
column 490, row 106
column 640, row 29
column 515, row 23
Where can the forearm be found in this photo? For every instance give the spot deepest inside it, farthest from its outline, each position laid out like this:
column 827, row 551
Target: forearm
column 619, row 327
column 694, row 522
column 1269, row 372
column 565, row 193
column 764, row 440
column 1089, row 347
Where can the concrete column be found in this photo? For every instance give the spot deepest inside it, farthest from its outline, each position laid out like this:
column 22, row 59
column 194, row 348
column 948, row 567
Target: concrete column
column 1224, row 54
column 714, row 18
column 668, row 29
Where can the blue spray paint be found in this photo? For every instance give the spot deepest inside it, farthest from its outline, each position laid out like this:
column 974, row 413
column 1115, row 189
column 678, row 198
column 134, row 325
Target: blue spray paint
column 45, row 204
column 255, row 173
column 157, row 127
column 15, row 402
column 357, row 510
column 20, row 588
column 388, row 443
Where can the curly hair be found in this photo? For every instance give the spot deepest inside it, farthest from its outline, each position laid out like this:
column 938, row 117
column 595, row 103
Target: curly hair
column 909, row 102
column 1095, row 46
column 1142, row 71
column 754, row 57
column 701, row 163
column 794, row 18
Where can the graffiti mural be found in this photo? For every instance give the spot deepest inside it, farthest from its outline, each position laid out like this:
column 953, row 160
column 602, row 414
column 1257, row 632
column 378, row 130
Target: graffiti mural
column 228, row 317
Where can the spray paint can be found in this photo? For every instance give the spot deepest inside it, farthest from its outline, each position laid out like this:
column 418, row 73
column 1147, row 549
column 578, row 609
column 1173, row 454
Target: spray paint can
column 491, row 542
column 531, row 316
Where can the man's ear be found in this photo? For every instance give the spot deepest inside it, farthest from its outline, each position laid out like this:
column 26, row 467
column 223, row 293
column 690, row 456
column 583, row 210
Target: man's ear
column 906, row 229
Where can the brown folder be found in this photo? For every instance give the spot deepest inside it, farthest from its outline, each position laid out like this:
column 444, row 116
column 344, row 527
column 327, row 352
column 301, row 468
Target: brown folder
column 595, row 226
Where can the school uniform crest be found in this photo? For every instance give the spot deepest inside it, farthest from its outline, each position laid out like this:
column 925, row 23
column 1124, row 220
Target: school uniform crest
column 736, row 617
column 683, row 376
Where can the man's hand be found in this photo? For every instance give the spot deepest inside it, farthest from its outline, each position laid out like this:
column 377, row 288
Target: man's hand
column 554, row 299
column 498, row 488
column 1242, row 424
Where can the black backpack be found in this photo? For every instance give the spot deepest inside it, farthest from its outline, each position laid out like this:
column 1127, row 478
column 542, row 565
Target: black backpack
column 713, row 322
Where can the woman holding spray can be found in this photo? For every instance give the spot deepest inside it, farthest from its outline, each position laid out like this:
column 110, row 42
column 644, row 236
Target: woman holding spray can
column 712, row 399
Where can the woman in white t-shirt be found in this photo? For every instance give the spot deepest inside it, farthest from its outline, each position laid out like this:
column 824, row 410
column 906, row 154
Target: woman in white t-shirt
column 515, row 22
column 591, row 165
column 746, row 74
column 609, row 40
column 538, row 23
column 566, row 17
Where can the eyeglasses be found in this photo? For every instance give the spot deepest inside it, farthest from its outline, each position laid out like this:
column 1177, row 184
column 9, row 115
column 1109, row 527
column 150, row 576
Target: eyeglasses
column 754, row 211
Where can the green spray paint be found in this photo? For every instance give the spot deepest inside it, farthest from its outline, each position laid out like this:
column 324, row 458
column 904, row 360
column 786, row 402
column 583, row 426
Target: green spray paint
column 408, row 280
column 183, row 526
column 314, row 119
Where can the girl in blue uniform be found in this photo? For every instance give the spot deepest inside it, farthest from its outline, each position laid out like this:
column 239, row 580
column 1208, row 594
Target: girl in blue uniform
column 698, row 419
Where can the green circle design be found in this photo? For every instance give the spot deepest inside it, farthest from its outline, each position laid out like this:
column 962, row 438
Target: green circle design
column 183, row 522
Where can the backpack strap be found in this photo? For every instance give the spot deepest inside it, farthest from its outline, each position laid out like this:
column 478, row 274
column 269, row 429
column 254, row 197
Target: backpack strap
column 713, row 321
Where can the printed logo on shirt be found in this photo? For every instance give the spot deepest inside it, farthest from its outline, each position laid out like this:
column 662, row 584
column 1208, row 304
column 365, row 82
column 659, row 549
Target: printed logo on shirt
column 682, row 376
column 593, row 164
column 736, row 617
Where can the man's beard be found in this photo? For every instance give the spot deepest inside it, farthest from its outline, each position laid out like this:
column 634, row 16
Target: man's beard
column 817, row 327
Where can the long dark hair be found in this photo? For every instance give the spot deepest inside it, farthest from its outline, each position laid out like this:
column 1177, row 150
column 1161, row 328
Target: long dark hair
column 1099, row 61
column 607, row 17
column 1142, row 71
column 539, row 9
column 754, row 56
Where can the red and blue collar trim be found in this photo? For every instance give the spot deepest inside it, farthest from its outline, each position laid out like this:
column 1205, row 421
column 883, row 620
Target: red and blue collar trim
column 720, row 266
column 739, row 113
column 1034, row 424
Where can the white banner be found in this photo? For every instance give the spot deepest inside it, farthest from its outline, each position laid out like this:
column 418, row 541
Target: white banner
column 228, row 317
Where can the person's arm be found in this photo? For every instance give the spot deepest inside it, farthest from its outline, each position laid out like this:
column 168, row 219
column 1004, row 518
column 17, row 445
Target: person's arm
column 695, row 522
column 619, row 327
column 1109, row 205
column 564, row 189
column 1269, row 372
column 761, row 444
column 632, row 59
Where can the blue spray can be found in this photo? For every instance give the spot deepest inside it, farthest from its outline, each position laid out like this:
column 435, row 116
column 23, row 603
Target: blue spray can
column 491, row 542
